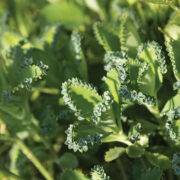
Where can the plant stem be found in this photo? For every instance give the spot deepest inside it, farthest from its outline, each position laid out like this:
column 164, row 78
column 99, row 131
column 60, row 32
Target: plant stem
column 117, row 138
column 33, row 159
column 51, row 91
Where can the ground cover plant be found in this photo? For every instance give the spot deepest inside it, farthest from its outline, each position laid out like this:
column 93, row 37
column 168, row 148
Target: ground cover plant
column 90, row 89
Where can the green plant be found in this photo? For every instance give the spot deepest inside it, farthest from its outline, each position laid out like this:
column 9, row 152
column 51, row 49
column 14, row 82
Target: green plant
column 114, row 64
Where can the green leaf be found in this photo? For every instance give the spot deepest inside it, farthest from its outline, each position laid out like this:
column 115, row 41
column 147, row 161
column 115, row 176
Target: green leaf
column 150, row 174
column 134, row 151
column 68, row 160
column 151, row 54
column 147, row 81
column 81, row 98
column 73, row 175
column 66, row 13
column 128, row 34
column 173, row 27
column 21, row 71
column 10, row 38
column 148, row 127
column 158, row 160
column 107, row 39
column 174, row 54
column 133, row 70
column 83, row 135
column 114, row 153
column 111, row 81
column 79, row 55
column 173, row 103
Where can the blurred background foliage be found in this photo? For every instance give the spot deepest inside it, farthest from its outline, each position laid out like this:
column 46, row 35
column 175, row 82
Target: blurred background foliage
column 42, row 44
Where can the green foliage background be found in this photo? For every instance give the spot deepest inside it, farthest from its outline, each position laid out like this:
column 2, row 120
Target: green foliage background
column 89, row 89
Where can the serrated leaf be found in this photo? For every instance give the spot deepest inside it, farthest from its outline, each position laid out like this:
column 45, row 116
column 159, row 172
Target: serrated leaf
column 79, row 55
column 111, row 81
column 85, row 99
column 114, row 153
column 83, row 135
column 174, row 54
column 151, row 54
column 147, row 82
column 158, row 160
column 128, row 34
column 73, row 175
column 83, row 129
column 133, row 69
column 107, row 39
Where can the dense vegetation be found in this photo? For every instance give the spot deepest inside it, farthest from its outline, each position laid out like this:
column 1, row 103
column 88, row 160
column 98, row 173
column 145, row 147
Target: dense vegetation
column 89, row 89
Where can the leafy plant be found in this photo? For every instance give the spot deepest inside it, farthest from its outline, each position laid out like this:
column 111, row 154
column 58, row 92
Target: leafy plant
column 114, row 65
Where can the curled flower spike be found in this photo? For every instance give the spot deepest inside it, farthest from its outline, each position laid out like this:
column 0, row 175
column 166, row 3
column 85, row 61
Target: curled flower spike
column 97, row 172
